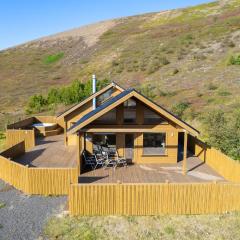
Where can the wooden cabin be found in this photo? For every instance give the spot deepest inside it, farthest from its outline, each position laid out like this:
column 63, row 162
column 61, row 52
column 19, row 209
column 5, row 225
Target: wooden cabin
column 136, row 127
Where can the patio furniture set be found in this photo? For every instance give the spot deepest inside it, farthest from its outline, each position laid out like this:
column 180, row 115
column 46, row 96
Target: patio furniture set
column 104, row 159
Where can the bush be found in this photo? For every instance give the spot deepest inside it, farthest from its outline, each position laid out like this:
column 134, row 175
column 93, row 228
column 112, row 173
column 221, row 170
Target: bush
column 175, row 71
column 211, row 86
column 36, row 103
column 234, row 60
column 223, row 132
column 148, row 91
column 71, row 94
column 179, row 108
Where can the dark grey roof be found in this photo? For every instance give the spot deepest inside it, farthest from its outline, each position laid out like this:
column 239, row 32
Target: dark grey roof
column 101, row 107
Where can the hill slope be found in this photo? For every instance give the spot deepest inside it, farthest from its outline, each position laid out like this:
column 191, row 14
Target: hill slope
column 183, row 54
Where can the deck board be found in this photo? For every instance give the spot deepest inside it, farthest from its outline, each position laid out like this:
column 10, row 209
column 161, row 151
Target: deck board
column 153, row 173
column 50, row 152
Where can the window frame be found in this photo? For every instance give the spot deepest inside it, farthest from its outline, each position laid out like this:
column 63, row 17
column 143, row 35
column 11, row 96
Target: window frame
column 155, row 154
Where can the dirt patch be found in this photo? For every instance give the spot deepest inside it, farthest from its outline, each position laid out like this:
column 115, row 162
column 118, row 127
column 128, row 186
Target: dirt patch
column 89, row 33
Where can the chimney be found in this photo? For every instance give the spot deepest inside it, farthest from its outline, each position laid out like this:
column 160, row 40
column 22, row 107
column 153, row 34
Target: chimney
column 94, row 90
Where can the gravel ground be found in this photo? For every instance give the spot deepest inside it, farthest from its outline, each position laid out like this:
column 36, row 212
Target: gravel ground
column 23, row 217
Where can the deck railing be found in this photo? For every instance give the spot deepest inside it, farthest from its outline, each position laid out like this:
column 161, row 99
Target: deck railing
column 45, row 181
column 153, row 199
column 224, row 165
column 14, row 136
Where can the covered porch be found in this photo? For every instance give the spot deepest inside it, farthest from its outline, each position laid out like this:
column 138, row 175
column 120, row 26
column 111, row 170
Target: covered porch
column 149, row 145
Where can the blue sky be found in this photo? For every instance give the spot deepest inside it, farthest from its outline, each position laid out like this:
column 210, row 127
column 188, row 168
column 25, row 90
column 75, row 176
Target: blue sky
column 25, row 20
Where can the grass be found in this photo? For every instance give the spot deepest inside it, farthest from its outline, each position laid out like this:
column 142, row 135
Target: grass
column 53, row 58
column 2, row 205
column 178, row 51
column 182, row 227
column 2, row 140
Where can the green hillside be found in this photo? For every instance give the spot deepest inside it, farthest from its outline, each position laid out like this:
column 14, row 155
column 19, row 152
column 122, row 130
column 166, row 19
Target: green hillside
column 188, row 60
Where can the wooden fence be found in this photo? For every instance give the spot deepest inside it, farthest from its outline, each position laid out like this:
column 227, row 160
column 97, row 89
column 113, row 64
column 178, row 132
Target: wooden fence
column 153, row 199
column 21, row 124
column 224, row 165
column 45, row 181
column 14, row 151
column 14, row 136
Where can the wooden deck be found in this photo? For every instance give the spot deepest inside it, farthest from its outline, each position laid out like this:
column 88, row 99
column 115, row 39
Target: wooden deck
column 153, row 173
column 50, row 152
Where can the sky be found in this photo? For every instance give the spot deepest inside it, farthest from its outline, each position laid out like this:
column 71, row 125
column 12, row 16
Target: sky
column 25, row 20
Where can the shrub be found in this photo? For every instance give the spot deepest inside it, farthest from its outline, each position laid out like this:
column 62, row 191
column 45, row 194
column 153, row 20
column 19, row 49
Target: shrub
column 224, row 93
column 164, row 61
column 211, row 86
column 234, row 60
column 36, row 104
column 148, row 91
column 224, row 131
column 175, row 71
column 73, row 93
column 179, row 108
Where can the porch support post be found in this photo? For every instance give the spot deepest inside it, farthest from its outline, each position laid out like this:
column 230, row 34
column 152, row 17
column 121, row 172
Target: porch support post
column 79, row 151
column 184, row 166
column 65, row 133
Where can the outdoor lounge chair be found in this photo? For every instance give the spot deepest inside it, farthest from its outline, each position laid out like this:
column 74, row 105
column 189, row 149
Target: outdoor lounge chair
column 109, row 162
column 120, row 160
column 100, row 161
column 89, row 160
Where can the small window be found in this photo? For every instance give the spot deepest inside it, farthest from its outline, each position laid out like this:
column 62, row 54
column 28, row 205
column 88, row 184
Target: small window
column 104, row 97
column 130, row 111
column 154, row 143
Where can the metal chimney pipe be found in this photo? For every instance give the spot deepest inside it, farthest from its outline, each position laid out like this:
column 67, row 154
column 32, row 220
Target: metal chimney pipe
column 94, row 90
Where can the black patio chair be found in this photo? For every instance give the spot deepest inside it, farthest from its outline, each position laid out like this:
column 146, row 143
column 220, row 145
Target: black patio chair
column 89, row 160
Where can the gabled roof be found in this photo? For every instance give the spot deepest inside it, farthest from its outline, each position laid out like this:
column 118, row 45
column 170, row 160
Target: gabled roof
column 76, row 106
column 119, row 99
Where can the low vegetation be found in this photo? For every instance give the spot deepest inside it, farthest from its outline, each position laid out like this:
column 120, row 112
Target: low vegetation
column 71, row 94
column 2, row 205
column 204, row 227
column 53, row 58
column 234, row 60
column 179, row 108
column 223, row 131
column 2, row 140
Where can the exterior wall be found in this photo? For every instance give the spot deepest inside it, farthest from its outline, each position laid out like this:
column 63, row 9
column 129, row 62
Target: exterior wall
column 171, row 149
column 167, row 127
column 72, row 140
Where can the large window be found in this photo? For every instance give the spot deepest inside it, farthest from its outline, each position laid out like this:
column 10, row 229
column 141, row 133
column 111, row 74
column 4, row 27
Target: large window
column 104, row 142
column 130, row 111
column 154, row 143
